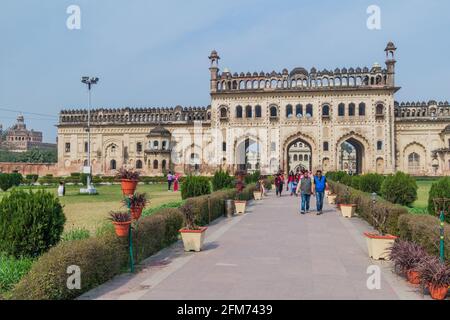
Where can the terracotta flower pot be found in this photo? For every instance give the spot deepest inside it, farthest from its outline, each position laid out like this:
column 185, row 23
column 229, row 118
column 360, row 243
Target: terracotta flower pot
column 122, row 228
column 413, row 276
column 128, row 186
column 136, row 212
column 438, row 293
column 378, row 245
column 193, row 239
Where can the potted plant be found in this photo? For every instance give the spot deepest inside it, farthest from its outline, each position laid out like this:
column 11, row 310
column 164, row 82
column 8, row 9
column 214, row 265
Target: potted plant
column 407, row 256
column 379, row 245
column 121, row 221
column 239, row 202
column 347, row 209
column 435, row 275
column 193, row 236
column 136, row 203
column 129, row 180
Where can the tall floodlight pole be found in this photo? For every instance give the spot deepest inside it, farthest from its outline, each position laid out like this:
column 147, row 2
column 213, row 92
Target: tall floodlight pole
column 89, row 81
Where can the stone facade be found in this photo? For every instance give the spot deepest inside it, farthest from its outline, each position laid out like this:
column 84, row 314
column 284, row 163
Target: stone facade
column 19, row 139
column 257, row 121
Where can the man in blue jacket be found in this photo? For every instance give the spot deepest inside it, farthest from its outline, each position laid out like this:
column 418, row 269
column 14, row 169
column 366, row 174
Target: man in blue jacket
column 320, row 184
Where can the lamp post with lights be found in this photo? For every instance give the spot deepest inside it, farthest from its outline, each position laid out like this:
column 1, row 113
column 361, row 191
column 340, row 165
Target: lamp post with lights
column 89, row 81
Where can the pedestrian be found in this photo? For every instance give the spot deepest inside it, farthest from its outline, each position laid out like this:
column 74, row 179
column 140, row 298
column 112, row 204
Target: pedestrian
column 61, row 189
column 260, row 186
column 169, row 180
column 279, row 181
column 176, row 182
column 320, row 184
column 305, row 189
column 291, row 178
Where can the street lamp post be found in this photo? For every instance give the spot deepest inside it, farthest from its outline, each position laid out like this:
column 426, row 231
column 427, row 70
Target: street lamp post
column 89, row 81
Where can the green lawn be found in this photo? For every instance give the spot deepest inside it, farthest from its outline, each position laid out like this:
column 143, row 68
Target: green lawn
column 90, row 212
column 422, row 193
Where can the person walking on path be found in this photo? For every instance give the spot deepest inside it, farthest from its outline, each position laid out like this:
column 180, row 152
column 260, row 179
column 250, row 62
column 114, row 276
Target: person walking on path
column 291, row 179
column 169, row 180
column 61, row 189
column 320, row 184
column 305, row 189
column 279, row 182
column 176, row 182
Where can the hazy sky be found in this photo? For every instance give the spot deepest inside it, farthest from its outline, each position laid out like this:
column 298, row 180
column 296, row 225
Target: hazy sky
column 154, row 53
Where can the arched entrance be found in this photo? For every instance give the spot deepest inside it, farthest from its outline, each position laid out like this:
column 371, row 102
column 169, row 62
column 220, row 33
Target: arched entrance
column 248, row 155
column 299, row 155
column 351, row 155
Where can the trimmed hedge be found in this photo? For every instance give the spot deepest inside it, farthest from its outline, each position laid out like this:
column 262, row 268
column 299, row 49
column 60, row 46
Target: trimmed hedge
column 207, row 208
column 424, row 230
column 366, row 209
column 194, row 186
column 99, row 258
column 399, row 188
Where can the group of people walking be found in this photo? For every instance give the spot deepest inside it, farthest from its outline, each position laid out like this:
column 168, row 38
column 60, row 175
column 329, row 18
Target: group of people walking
column 305, row 184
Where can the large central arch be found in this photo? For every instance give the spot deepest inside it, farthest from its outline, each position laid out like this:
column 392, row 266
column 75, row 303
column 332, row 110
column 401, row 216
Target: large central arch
column 309, row 148
column 299, row 155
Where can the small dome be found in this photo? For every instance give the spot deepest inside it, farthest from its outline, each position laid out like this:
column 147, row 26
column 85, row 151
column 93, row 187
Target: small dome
column 299, row 71
column 159, row 131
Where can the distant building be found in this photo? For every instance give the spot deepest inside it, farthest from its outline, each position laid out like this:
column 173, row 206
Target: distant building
column 19, row 139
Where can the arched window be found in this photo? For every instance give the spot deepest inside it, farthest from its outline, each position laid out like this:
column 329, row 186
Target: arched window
column 325, row 146
column 289, row 111
column 295, row 157
column 139, row 147
column 309, row 110
column 413, row 161
column 341, row 110
column 379, row 109
column 155, row 144
column 163, row 164
column 85, row 163
column 238, row 112
column 298, row 110
column 362, row 109
column 248, row 111
column 326, row 110
column 351, row 109
column 258, row 112
column 223, row 113
column 306, row 158
column 113, row 164
column 138, row 164
column 155, row 164
column 273, row 112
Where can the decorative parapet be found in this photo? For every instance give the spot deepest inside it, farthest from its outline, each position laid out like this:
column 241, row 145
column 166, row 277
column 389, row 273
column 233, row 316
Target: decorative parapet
column 124, row 116
column 301, row 79
column 431, row 110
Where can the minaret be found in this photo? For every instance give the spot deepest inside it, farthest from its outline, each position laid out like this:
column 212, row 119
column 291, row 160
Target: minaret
column 390, row 64
column 214, row 69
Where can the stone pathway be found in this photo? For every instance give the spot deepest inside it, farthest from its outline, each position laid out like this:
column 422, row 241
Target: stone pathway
column 271, row 252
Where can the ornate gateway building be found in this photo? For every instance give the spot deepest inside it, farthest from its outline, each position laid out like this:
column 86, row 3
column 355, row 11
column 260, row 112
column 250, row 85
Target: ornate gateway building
column 345, row 119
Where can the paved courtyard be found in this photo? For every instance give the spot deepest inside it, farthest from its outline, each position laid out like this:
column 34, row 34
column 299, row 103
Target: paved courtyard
column 271, row 252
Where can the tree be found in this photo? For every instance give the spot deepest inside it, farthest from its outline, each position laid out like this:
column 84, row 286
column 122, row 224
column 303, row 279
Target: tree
column 400, row 188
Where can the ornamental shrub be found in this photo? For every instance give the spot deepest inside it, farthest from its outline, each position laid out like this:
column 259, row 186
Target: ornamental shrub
column 194, row 186
column 222, row 180
column 439, row 189
column 400, row 188
column 5, row 181
column 370, row 182
column 30, row 223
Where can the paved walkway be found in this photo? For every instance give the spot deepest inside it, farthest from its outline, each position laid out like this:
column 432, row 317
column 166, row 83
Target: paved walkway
column 271, row 252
